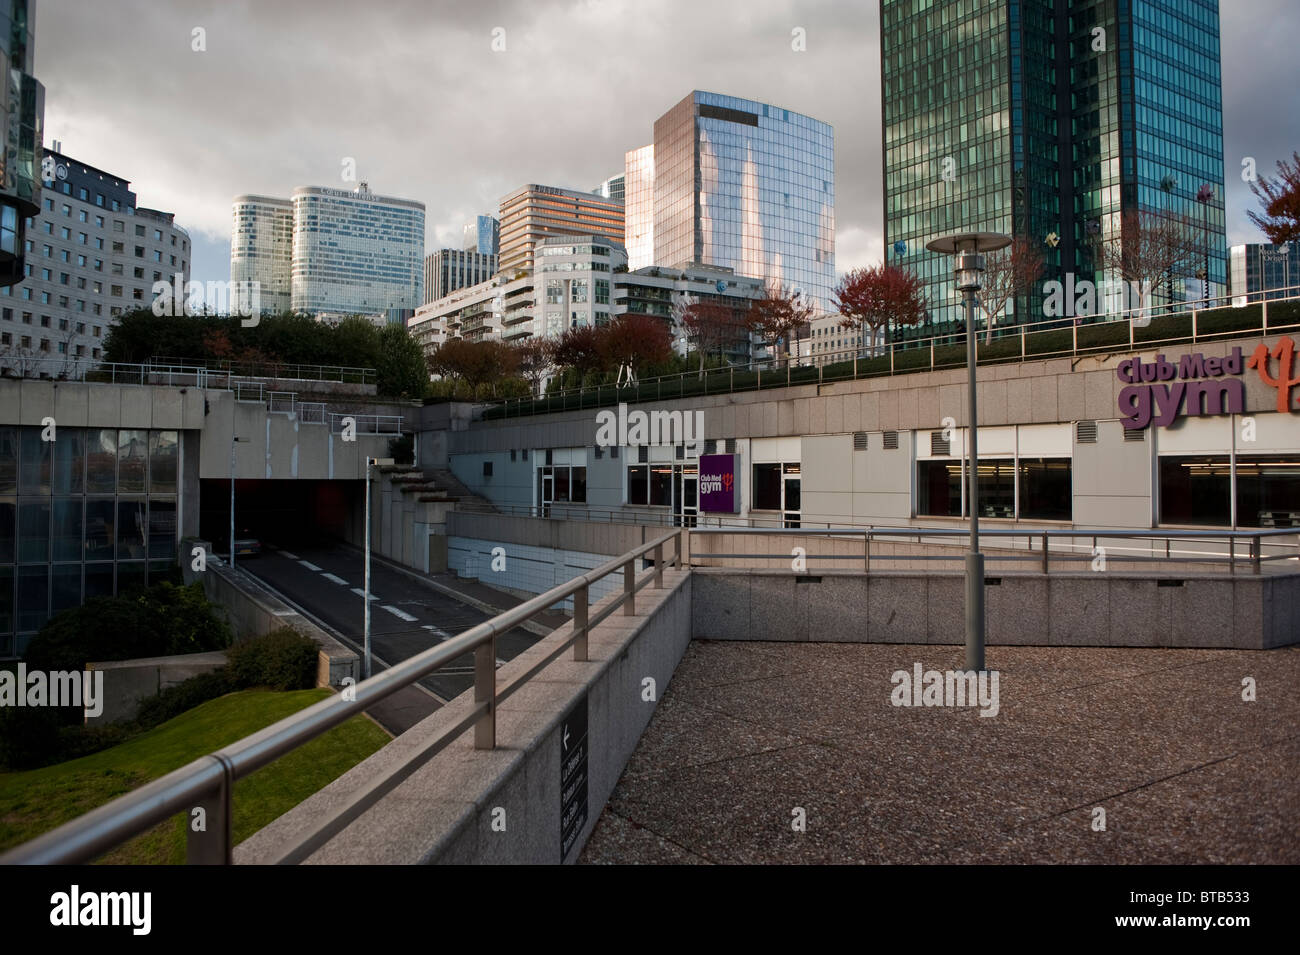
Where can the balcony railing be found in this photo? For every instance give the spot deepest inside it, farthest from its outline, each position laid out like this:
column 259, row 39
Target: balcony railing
column 1214, row 319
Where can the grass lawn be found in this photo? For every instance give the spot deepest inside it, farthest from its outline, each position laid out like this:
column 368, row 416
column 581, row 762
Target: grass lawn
column 35, row 801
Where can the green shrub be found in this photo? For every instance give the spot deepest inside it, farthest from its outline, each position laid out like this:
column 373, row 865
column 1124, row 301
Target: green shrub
column 186, row 695
column 283, row 659
column 29, row 736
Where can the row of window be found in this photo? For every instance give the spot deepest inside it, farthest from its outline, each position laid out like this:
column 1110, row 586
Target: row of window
column 63, row 529
column 88, row 460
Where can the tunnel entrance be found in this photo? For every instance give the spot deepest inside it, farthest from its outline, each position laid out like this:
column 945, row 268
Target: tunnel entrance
column 284, row 513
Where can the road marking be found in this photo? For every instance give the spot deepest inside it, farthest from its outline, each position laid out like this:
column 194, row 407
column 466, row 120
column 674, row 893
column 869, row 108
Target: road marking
column 337, row 580
column 401, row 614
column 289, row 555
column 361, row 593
column 309, row 565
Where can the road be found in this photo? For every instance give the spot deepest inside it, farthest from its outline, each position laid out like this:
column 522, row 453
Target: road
column 406, row 616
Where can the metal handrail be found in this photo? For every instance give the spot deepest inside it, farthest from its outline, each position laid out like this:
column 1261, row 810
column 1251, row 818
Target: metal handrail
column 207, row 782
column 812, row 369
column 367, row 423
column 1255, row 555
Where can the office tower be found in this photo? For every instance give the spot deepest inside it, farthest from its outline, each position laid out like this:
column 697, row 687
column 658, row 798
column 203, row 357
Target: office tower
column 22, row 111
column 1050, row 120
column 1257, row 268
column 639, row 203
column 91, row 254
column 261, row 249
column 448, row 270
column 741, row 185
column 483, row 236
column 532, row 212
column 611, row 188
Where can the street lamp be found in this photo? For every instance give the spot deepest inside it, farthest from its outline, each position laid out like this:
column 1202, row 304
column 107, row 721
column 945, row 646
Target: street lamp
column 969, row 266
column 365, row 598
column 233, row 439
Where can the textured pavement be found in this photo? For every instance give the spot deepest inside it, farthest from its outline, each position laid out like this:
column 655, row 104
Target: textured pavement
column 1186, row 771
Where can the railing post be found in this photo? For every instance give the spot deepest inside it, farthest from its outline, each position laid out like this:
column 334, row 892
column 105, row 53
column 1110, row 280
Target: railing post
column 1074, row 337
column 485, row 691
column 1264, row 307
column 1255, row 549
column 1193, row 326
column 1044, row 552
column 866, row 551
column 580, row 624
column 891, row 358
column 731, row 379
column 629, row 588
column 855, row 366
column 1022, row 340
column 659, row 566
column 683, row 548
column 932, row 353
column 210, row 844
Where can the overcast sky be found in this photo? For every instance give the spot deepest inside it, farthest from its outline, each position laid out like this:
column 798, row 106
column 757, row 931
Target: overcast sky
column 413, row 91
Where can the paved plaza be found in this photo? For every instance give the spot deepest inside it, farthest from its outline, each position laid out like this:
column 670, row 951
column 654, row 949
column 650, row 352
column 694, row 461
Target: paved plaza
column 1161, row 740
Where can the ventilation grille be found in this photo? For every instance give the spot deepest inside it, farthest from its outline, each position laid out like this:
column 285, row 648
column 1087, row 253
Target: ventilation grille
column 643, row 455
column 613, row 451
column 939, row 444
column 1135, row 434
column 710, row 446
column 891, row 440
column 512, row 454
column 859, row 441
column 1085, row 432
column 731, row 445
column 524, row 454
column 548, row 456
column 598, row 452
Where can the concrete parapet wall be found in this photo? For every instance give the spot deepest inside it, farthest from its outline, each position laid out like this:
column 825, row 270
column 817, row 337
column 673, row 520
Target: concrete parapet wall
column 129, row 682
column 252, row 611
column 1068, row 609
column 445, row 812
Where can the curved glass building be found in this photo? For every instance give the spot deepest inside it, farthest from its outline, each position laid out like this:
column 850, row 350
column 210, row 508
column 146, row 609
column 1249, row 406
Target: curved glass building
column 261, row 248
column 22, row 109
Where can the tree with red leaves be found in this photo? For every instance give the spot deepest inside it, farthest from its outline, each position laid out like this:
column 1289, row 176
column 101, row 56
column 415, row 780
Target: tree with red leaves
column 878, row 297
column 780, row 313
column 579, row 349
column 1280, row 200
column 534, row 357
column 635, row 341
column 710, row 326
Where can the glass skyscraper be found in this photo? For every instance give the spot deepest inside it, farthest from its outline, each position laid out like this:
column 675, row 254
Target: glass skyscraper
column 261, row 248
column 739, row 184
column 1051, row 120
column 356, row 252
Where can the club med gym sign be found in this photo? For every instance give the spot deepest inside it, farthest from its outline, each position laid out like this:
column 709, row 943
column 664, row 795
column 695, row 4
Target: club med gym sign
column 1160, row 391
column 718, row 487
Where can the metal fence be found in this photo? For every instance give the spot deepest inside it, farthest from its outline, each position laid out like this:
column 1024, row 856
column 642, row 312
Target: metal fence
column 1211, row 319
column 366, row 423
column 1244, row 547
column 208, row 782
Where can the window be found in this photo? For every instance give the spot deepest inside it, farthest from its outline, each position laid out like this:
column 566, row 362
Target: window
column 99, row 222
column 1268, row 491
column 1195, row 490
column 139, row 252
column 1046, row 492
column 119, row 248
column 650, row 484
column 139, row 229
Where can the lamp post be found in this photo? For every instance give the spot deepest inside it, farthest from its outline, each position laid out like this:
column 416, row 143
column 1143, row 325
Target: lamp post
column 365, row 598
column 233, row 439
column 969, row 266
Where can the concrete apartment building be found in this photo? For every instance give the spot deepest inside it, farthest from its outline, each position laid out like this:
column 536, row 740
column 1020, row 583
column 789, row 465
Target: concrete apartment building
column 91, row 254
column 533, row 212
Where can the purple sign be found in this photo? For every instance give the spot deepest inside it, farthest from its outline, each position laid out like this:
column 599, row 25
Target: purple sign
column 1159, row 392
column 719, row 492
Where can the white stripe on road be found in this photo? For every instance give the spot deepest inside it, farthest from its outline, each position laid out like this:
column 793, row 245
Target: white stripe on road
column 337, row 580
column 401, row 614
column 289, row 555
column 309, row 565
column 361, row 593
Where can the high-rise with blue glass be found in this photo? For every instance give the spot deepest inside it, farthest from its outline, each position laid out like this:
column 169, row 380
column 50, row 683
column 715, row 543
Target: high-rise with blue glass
column 735, row 183
column 1051, row 119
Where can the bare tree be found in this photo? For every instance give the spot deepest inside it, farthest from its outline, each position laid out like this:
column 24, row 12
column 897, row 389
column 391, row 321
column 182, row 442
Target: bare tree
column 1149, row 248
column 708, row 325
column 1008, row 274
column 780, row 313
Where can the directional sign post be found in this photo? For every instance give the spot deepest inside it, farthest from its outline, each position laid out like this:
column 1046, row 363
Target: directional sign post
column 573, row 776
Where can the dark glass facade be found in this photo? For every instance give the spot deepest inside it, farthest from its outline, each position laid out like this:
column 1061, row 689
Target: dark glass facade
column 91, row 513
column 1050, row 119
